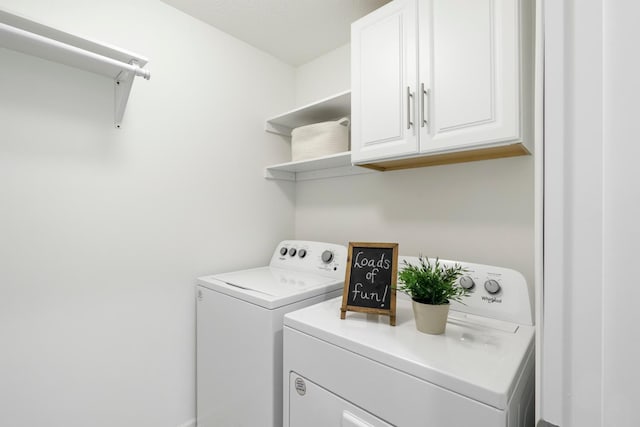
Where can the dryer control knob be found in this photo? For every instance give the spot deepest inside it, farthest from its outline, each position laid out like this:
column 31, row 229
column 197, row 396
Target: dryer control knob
column 327, row 257
column 283, row 251
column 292, row 252
column 467, row 282
column 302, row 253
column 492, row 286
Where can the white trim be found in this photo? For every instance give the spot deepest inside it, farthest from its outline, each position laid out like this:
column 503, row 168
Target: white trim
column 538, row 130
column 551, row 348
column 571, row 314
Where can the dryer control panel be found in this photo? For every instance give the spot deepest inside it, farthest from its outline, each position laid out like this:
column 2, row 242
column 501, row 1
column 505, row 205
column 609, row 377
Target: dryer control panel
column 495, row 292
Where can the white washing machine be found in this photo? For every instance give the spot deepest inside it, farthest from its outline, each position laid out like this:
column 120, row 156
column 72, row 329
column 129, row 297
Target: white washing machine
column 239, row 330
column 362, row 372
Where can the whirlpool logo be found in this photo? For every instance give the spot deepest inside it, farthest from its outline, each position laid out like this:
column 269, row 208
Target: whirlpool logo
column 491, row 300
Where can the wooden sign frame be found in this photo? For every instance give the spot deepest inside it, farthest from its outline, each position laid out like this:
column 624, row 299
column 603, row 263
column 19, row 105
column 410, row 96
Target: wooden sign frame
column 346, row 306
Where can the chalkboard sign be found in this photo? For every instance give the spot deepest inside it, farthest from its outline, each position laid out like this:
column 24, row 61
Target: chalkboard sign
column 370, row 282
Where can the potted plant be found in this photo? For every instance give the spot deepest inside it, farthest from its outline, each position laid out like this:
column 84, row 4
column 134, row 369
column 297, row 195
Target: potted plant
column 431, row 286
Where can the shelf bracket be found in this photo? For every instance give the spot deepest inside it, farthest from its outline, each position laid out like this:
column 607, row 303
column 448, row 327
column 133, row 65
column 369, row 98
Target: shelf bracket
column 277, row 129
column 279, row 175
column 123, row 83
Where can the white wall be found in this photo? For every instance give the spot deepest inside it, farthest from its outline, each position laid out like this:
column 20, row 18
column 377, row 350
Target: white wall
column 324, row 76
column 478, row 212
column 103, row 231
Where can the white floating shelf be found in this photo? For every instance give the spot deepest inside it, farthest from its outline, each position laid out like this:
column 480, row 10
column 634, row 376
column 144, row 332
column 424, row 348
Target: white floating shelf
column 331, row 108
column 322, row 167
column 27, row 36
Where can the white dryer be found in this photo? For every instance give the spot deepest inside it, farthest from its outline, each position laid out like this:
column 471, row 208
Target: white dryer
column 239, row 330
column 362, row 372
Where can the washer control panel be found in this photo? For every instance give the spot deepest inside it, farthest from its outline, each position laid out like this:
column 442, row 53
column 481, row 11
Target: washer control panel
column 327, row 256
column 327, row 259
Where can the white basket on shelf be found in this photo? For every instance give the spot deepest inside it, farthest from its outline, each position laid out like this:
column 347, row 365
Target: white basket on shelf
column 320, row 139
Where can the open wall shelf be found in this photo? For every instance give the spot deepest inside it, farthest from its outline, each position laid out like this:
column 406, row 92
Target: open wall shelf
column 318, row 168
column 331, row 108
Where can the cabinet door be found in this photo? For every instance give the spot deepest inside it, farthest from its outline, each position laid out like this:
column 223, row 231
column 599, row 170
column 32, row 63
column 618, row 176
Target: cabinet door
column 383, row 76
column 469, row 66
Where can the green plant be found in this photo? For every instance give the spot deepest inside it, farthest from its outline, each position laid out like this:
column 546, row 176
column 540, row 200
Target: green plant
column 429, row 283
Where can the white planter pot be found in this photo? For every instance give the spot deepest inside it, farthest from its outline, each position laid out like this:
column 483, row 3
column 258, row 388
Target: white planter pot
column 430, row 319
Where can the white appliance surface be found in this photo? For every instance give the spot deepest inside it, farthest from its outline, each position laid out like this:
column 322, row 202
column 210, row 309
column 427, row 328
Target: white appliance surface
column 479, row 362
column 239, row 330
column 289, row 277
column 270, row 287
column 482, row 365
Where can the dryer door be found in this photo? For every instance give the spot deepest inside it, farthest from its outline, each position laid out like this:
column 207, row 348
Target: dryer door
column 312, row 406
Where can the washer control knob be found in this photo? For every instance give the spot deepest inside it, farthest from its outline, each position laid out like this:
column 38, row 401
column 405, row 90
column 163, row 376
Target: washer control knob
column 467, row 282
column 327, row 257
column 302, row 253
column 492, row 286
column 283, row 251
column 292, row 252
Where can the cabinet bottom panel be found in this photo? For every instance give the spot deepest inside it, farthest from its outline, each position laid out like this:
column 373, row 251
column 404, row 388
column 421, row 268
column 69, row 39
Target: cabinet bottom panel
column 448, row 158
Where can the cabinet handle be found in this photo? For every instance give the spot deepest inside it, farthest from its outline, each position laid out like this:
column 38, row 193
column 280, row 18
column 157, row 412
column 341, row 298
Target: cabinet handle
column 425, row 94
column 409, row 98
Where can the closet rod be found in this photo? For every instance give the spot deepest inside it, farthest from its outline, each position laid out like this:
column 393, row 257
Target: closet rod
column 21, row 40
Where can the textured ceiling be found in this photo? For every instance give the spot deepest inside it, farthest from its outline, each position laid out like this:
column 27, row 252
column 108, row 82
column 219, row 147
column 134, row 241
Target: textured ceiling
column 295, row 31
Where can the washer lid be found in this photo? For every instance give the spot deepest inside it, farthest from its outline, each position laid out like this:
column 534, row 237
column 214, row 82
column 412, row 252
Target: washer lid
column 475, row 357
column 270, row 287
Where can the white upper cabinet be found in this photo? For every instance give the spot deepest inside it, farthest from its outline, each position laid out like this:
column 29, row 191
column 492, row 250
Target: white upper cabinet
column 383, row 77
column 441, row 81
